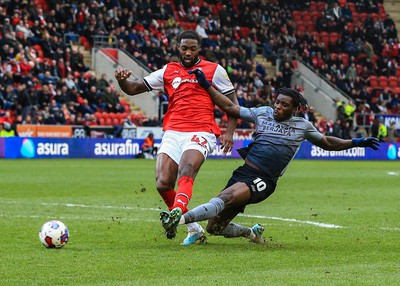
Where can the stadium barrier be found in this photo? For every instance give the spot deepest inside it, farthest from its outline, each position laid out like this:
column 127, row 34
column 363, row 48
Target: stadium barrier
column 19, row 148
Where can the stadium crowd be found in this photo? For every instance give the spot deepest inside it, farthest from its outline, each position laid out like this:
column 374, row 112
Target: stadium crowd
column 44, row 79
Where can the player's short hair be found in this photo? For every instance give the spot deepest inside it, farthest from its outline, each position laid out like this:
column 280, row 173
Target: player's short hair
column 298, row 99
column 189, row 34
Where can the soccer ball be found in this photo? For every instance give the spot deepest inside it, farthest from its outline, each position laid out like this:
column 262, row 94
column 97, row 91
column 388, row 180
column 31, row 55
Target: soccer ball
column 53, row 234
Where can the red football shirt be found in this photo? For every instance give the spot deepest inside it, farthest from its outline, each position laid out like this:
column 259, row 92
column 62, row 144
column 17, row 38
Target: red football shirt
column 190, row 107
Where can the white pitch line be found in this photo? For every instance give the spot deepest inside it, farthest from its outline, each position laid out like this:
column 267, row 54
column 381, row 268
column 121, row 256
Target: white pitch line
column 116, row 219
column 319, row 224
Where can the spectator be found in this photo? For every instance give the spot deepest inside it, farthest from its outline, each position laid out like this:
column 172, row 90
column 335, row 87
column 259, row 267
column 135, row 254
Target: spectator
column 111, row 100
column 287, row 73
column 392, row 133
column 201, row 30
column 24, row 101
column 382, row 130
column 148, row 149
column 7, row 130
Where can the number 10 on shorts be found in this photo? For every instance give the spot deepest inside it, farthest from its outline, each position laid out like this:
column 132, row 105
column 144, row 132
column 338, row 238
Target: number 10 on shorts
column 260, row 184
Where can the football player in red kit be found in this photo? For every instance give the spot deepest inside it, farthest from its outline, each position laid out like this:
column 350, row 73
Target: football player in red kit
column 190, row 132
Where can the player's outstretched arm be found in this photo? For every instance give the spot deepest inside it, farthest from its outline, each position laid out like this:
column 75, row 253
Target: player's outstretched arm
column 336, row 144
column 128, row 86
column 226, row 138
column 219, row 99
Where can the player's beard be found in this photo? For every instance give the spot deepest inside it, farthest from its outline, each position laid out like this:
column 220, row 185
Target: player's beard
column 188, row 64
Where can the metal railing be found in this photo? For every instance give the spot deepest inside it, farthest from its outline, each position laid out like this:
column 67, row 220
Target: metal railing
column 105, row 41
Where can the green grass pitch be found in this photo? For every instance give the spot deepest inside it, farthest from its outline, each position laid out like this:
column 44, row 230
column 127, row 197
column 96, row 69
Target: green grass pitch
column 328, row 223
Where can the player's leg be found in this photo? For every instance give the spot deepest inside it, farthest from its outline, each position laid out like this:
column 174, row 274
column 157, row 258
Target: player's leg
column 184, row 151
column 235, row 195
column 222, row 225
column 166, row 173
column 189, row 166
column 196, row 147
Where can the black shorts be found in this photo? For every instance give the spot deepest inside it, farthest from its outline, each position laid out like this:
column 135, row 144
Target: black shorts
column 261, row 186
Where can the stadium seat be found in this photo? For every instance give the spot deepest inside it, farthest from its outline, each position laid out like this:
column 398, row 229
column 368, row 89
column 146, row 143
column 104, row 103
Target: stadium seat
column 393, row 82
column 363, row 16
column 375, row 16
column 333, row 37
column 359, row 68
column 314, row 15
column 301, row 26
column 116, row 121
column 352, row 6
column 313, row 6
column 383, row 81
column 98, row 115
column 345, row 58
column 102, row 121
column 306, row 17
column 296, row 16
column 310, row 26
column 350, row 26
column 373, row 81
column 108, row 121
column 321, row 5
column 324, row 37
column 395, row 50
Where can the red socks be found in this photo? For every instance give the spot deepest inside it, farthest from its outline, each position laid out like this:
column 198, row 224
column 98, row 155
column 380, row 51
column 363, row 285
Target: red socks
column 185, row 190
column 169, row 198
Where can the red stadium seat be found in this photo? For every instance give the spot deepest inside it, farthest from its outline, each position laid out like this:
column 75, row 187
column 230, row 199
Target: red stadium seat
column 345, row 58
column 363, row 16
column 313, row 6
column 116, row 121
column 375, row 16
column 321, row 5
column 296, row 16
column 359, row 68
column 350, row 26
column 315, row 15
column 307, row 17
column 333, row 56
column 98, row 115
column 396, row 90
column 108, row 121
column 393, row 82
column 301, row 26
column 383, row 81
column 373, row 81
column 333, row 37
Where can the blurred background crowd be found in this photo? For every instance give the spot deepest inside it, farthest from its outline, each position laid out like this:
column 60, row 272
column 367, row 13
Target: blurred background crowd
column 45, row 78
